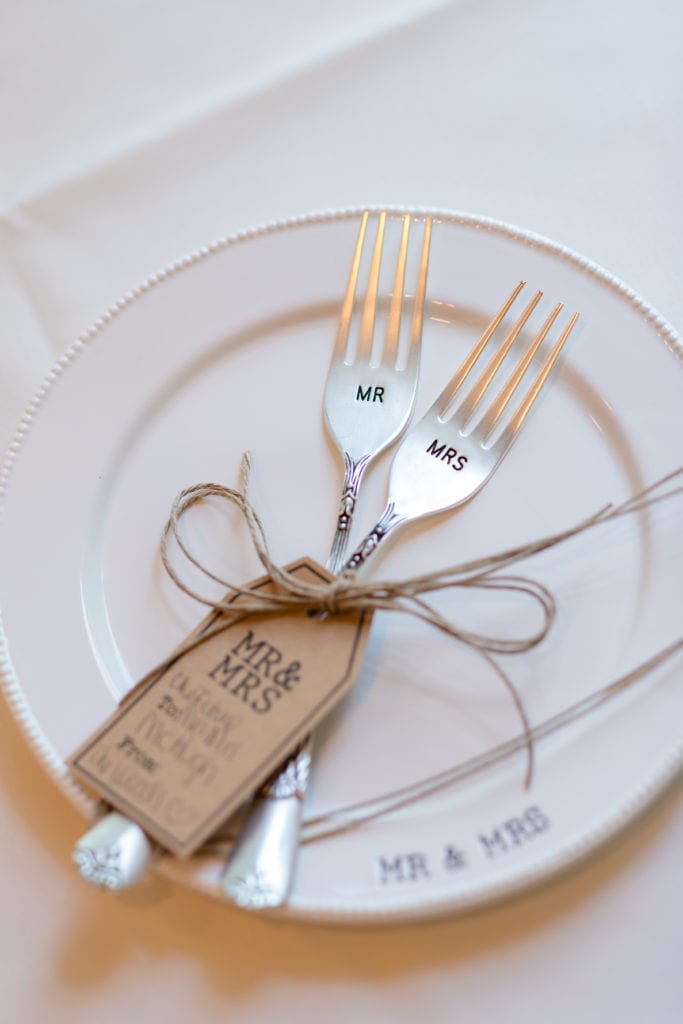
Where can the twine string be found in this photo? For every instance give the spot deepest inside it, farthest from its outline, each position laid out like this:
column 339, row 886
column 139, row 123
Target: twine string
column 341, row 819
column 346, row 593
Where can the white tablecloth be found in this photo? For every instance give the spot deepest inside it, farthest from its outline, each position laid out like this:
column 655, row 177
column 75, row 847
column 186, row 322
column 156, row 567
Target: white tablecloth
column 132, row 133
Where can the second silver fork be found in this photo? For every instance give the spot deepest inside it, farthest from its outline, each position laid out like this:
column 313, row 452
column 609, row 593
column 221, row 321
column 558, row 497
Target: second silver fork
column 442, row 463
column 369, row 396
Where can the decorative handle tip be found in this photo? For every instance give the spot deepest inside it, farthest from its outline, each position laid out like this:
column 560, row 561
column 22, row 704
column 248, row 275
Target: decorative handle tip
column 114, row 854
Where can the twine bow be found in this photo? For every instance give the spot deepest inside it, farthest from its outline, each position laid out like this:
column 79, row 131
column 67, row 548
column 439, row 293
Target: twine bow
column 347, row 593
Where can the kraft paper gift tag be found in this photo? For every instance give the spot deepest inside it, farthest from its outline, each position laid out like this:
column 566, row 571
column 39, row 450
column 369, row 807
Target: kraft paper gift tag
column 193, row 741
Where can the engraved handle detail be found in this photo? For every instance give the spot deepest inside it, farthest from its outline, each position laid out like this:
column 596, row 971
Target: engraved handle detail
column 388, row 522
column 353, row 474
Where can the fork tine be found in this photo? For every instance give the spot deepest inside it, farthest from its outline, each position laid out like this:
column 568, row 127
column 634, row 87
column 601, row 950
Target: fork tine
column 342, row 338
column 500, row 404
column 477, row 393
column 461, row 374
column 420, row 292
column 367, row 324
column 532, row 394
column 394, row 322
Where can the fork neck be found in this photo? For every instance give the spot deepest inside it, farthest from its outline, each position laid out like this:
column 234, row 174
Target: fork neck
column 387, row 523
column 353, row 474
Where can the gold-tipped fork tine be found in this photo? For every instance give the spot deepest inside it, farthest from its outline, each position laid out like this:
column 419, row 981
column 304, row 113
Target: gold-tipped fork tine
column 340, row 352
column 496, row 411
column 469, row 405
column 451, row 452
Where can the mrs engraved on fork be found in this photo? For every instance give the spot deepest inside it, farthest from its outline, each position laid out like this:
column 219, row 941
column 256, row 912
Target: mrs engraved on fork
column 453, row 450
column 369, row 396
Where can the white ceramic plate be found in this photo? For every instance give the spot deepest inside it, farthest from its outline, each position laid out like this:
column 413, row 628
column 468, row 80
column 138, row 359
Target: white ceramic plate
column 228, row 349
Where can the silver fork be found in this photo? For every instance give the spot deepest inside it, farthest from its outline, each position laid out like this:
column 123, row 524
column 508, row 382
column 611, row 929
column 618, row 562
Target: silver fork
column 452, row 451
column 442, row 462
column 368, row 402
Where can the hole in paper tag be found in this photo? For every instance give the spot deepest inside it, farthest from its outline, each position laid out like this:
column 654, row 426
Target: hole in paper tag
column 191, row 743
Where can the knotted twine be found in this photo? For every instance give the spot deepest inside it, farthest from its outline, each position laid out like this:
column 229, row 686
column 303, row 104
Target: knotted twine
column 346, row 593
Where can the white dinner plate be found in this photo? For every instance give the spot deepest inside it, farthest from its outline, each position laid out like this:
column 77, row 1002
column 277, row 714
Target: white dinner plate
column 228, row 350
